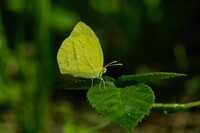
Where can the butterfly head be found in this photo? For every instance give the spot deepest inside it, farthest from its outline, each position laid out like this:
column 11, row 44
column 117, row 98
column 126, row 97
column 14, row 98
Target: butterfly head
column 104, row 70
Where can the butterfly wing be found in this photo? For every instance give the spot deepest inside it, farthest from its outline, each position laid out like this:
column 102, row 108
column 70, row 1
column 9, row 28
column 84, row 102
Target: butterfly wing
column 80, row 55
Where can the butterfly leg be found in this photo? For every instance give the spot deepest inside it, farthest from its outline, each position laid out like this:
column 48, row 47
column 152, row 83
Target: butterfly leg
column 104, row 84
column 100, row 85
column 102, row 81
column 92, row 82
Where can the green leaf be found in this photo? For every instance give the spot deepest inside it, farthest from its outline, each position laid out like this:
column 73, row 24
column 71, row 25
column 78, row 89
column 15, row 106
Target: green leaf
column 147, row 77
column 124, row 106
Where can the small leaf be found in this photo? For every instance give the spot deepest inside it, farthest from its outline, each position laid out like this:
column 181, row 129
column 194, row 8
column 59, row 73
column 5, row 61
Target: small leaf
column 124, row 106
column 147, row 77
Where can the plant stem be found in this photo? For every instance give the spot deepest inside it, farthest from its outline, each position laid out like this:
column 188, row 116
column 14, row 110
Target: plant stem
column 176, row 106
column 101, row 125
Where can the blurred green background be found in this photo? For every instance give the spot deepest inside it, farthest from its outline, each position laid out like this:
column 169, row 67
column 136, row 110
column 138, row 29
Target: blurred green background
column 146, row 36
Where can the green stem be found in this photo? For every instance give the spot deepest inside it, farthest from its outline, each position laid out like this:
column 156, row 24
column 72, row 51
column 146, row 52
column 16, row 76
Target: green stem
column 176, row 106
column 101, row 125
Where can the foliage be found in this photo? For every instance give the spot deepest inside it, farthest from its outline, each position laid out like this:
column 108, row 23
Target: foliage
column 146, row 36
column 128, row 105
column 124, row 106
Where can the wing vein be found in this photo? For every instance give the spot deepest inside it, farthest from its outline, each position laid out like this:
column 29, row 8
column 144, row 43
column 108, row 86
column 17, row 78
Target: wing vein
column 75, row 56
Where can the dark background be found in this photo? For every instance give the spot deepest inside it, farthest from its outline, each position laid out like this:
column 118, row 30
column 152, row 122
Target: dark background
column 146, row 36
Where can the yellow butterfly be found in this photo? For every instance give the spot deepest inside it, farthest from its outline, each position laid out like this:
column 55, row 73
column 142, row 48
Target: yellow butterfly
column 80, row 55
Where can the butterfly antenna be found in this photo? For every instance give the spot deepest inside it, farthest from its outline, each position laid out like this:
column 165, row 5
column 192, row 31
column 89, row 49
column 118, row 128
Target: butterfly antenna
column 114, row 63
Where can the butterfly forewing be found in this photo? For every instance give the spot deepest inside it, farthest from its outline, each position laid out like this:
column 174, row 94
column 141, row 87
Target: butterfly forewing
column 80, row 55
